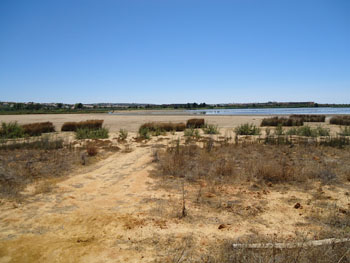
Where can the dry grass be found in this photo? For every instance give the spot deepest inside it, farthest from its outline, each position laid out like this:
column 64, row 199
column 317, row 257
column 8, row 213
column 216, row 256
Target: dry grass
column 238, row 180
column 88, row 124
column 21, row 167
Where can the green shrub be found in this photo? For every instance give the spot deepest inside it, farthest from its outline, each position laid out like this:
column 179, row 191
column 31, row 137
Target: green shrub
column 192, row 133
column 123, row 134
column 247, row 129
column 210, row 129
column 144, row 133
column 308, row 131
column 91, row 133
column 160, row 127
column 11, row 130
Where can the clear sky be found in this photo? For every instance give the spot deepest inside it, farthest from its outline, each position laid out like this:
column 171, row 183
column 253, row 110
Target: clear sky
column 162, row 51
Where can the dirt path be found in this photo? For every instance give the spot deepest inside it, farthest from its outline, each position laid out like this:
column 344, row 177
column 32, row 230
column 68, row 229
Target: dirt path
column 82, row 219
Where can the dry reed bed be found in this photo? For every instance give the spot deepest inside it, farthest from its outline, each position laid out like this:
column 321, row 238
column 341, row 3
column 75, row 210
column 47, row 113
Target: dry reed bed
column 88, row 124
column 340, row 120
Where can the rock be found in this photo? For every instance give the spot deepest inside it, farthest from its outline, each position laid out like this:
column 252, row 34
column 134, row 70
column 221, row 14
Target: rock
column 222, row 226
column 297, row 206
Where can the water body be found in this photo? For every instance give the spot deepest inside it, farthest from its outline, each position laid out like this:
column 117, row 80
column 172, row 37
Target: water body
column 273, row 111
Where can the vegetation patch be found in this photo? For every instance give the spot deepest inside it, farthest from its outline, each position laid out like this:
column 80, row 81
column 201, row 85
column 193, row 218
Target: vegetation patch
column 163, row 126
column 340, row 120
column 88, row 124
column 211, row 129
column 309, row 117
column 282, row 121
column 308, row 131
column 86, row 133
column 247, row 129
column 195, row 123
column 36, row 129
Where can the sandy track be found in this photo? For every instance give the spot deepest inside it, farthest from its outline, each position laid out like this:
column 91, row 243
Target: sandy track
column 81, row 218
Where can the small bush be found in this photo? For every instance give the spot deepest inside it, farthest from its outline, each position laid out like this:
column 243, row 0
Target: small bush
column 340, row 120
column 309, row 118
column 192, row 133
column 89, row 124
column 308, row 131
column 91, row 150
column 247, row 129
column 211, row 129
column 195, row 123
column 163, row 126
column 275, row 121
column 123, row 134
column 91, row 134
column 11, row 130
column 144, row 133
column 36, row 129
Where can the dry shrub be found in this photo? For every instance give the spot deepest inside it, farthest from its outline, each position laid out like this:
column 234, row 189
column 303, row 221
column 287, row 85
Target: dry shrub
column 340, row 120
column 36, row 129
column 195, row 123
column 309, row 117
column 88, row 124
column 163, row 126
column 20, row 167
column 262, row 163
column 282, row 121
column 91, row 149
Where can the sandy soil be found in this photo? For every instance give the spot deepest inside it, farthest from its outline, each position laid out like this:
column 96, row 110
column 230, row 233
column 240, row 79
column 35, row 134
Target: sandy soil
column 114, row 211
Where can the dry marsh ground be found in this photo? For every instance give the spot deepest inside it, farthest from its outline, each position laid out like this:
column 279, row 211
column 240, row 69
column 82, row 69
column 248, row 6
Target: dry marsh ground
column 173, row 198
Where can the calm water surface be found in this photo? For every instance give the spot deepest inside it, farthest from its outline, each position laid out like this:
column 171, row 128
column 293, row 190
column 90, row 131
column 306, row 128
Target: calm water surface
column 274, row 111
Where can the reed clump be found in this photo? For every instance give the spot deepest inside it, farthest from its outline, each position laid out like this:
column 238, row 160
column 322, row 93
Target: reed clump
column 88, row 124
column 281, row 121
column 195, row 123
column 340, row 120
column 36, row 129
column 309, row 117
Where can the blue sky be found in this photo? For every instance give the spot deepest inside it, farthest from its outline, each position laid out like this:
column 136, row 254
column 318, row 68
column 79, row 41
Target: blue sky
column 175, row 51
